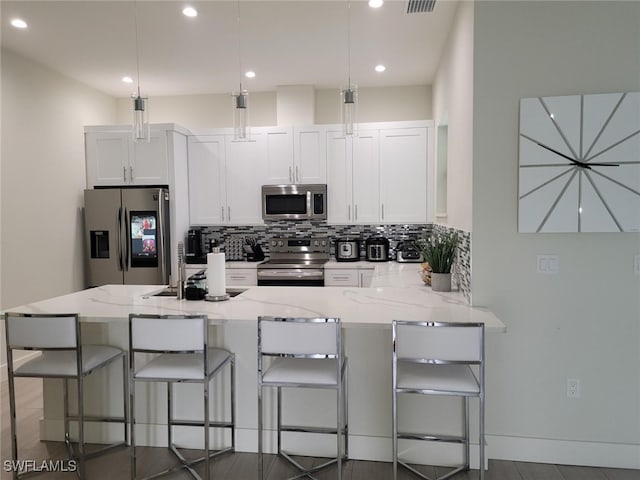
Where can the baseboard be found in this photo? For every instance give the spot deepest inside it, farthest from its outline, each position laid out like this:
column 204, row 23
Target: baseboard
column 565, row 452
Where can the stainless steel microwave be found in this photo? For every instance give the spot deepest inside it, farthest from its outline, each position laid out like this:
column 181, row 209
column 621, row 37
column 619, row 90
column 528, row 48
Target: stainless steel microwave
column 294, row 202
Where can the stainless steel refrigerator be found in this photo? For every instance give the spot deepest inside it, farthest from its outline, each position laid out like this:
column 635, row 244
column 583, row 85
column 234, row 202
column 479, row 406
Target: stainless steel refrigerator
column 127, row 236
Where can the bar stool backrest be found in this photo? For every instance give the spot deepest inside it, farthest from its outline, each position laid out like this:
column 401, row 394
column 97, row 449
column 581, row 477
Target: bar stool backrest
column 299, row 336
column 42, row 332
column 437, row 342
column 168, row 333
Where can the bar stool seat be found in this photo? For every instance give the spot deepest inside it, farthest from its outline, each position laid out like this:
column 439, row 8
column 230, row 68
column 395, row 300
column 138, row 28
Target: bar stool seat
column 449, row 378
column 183, row 366
column 64, row 364
column 295, row 371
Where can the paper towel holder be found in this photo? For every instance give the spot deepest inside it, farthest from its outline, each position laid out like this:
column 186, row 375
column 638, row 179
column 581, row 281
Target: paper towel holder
column 216, row 298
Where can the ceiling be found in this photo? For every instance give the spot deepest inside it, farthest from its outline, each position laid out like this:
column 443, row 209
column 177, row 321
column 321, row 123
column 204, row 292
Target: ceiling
column 300, row 42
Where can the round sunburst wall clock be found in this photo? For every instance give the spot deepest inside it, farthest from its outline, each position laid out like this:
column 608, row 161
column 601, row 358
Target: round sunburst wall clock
column 580, row 163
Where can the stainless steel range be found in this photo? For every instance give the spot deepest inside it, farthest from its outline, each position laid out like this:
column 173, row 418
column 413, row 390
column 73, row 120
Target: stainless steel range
column 295, row 261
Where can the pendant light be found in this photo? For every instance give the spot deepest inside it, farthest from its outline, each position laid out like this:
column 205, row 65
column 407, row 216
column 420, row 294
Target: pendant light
column 141, row 130
column 241, row 97
column 349, row 94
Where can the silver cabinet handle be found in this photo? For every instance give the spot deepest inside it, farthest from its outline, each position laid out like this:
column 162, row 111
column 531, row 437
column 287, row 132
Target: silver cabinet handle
column 130, row 173
column 348, row 212
column 222, row 213
column 297, row 174
column 356, row 212
column 124, row 173
column 228, row 213
column 290, row 176
column 383, row 211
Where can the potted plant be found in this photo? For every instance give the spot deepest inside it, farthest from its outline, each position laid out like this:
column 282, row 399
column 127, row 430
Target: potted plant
column 439, row 251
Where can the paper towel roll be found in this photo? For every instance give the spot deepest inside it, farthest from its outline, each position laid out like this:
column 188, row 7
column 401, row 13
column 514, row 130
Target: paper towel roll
column 216, row 282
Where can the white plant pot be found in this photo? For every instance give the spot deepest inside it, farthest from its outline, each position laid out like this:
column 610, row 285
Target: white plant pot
column 441, row 282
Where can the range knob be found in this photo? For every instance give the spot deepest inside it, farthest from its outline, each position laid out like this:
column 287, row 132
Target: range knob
column 316, row 243
column 280, row 243
column 324, row 243
column 273, row 243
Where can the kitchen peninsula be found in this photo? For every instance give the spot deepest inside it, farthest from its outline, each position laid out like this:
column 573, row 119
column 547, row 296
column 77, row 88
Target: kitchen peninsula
column 366, row 315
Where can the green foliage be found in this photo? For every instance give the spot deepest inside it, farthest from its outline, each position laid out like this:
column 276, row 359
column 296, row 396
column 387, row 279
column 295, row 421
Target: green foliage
column 439, row 251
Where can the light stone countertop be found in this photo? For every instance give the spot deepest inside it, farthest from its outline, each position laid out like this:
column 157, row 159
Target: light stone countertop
column 396, row 293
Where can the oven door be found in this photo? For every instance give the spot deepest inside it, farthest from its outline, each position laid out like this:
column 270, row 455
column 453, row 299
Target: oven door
column 291, row 277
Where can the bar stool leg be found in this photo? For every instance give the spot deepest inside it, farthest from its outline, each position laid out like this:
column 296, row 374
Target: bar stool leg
column 279, row 419
column 132, row 415
column 125, row 395
column 232, row 389
column 345, row 396
column 481, row 440
column 260, row 462
column 206, row 430
column 465, row 417
column 12, row 412
column 339, row 428
column 82, row 470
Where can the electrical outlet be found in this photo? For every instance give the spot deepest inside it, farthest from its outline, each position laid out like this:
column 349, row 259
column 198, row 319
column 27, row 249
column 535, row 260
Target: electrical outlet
column 549, row 264
column 636, row 264
column 573, row 388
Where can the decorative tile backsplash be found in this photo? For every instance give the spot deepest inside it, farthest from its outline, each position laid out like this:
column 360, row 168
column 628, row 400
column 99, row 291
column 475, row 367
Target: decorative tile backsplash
column 228, row 237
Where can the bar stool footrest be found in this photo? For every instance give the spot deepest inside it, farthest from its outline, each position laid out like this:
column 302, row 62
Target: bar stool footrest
column 431, row 438
column 306, row 472
column 425, row 477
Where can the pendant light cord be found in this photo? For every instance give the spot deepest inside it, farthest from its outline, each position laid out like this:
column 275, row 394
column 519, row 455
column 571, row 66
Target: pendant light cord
column 239, row 44
column 135, row 25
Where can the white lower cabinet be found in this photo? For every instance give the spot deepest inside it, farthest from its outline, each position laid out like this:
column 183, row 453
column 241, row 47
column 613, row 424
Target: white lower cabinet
column 241, row 277
column 348, row 277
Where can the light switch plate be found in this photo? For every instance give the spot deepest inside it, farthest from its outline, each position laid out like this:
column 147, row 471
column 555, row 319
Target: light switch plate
column 548, row 264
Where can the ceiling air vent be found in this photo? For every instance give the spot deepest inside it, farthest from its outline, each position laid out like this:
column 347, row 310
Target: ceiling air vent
column 420, row 6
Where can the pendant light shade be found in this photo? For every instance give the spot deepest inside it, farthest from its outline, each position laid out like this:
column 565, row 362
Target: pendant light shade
column 241, row 115
column 349, row 110
column 349, row 94
column 141, row 131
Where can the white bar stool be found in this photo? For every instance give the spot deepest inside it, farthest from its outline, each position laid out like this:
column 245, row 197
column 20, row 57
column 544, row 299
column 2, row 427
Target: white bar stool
column 431, row 358
column 179, row 344
column 63, row 356
column 307, row 354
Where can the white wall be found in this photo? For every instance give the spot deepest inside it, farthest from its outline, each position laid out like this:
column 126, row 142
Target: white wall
column 584, row 322
column 43, row 178
column 214, row 111
column 453, row 106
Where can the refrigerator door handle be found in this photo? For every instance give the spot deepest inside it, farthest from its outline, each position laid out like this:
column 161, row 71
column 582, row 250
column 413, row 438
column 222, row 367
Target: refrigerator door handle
column 119, row 242
column 127, row 236
column 163, row 247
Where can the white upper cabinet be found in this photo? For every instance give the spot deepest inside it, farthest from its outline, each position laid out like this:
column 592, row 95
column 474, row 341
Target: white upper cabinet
column 245, row 173
column 310, row 159
column 377, row 176
column 403, row 175
column 207, row 195
column 114, row 159
column 225, row 179
column 295, row 155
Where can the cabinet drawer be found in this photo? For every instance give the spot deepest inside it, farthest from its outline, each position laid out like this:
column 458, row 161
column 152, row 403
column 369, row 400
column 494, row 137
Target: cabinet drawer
column 241, row 277
column 341, row 278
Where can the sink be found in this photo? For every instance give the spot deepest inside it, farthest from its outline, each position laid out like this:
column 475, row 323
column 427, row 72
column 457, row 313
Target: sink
column 173, row 292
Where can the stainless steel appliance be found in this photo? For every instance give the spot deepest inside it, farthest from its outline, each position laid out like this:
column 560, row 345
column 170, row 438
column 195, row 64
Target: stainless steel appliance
column 347, row 249
column 295, row 262
column 127, row 236
column 377, row 249
column 408, row 252
column 294, row 202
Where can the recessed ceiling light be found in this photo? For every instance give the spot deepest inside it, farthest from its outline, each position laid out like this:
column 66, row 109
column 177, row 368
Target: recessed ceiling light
column 127, row 79
column 380, row 68
column 250, row 74
column 19, row 23
column 375, row 3
column 190, row 12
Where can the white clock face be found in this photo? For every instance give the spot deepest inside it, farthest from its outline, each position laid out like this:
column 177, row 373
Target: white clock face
column 580, row 163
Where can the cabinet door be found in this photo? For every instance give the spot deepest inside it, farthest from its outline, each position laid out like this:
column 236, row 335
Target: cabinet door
column 341, row 277
column 403, row 175
column 279, row 156
column 207, row 200
column 310, row 160
column 149, row 164
column 241, row 277
column 107, row 156
column 339, row 208
column 245, row 172
column 366, row 175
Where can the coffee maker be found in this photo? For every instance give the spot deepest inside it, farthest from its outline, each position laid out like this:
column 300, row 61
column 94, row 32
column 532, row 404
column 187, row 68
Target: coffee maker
column 195, row 251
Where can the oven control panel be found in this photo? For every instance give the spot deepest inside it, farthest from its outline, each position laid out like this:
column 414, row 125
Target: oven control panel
column 299, row 245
